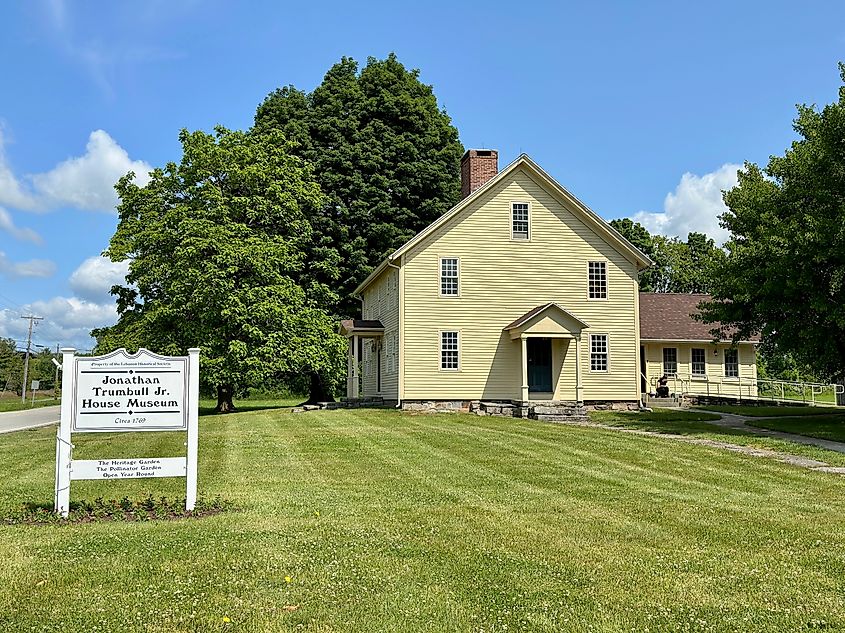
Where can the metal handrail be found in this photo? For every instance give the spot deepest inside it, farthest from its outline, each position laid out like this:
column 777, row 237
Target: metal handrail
column 751, row 388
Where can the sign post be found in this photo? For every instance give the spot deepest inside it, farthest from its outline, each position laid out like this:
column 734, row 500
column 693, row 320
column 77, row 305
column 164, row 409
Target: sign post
column 121, row 392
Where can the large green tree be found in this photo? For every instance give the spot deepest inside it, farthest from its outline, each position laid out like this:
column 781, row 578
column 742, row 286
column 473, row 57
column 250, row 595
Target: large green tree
column 216, row 246
column 784, row 275
column 384, row 153
column 679, row 266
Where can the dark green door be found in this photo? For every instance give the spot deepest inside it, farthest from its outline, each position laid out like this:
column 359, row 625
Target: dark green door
column 540, row 364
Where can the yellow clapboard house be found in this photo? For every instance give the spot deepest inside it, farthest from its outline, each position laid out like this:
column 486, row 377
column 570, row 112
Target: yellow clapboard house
column 518, row 294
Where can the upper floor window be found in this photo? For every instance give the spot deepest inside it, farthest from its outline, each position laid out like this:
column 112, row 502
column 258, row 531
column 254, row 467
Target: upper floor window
column 449, row 277
column 670, row 361
column 598, row 352
column 449, row 349
column 597, row 280
column 732, row 363
column 697, row 362
column 519, row 221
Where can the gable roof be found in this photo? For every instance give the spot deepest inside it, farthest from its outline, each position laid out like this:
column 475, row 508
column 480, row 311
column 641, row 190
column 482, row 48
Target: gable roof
column 667, row 316
column 542, row 308
column 590, row 218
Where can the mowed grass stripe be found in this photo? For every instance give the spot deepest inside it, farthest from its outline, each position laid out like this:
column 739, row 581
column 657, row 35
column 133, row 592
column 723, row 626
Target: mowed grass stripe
column 432, row 523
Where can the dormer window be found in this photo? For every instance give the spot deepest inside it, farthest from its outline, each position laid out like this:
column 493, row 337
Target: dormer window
column 520, row 229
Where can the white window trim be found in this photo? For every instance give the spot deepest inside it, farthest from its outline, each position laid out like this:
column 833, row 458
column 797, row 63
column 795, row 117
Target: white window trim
column 440, row 351
column 530, row 222
column 606, row 279
column 725, row 364
column 590, row 360
column 663, row 361
column 691, row 373
column 440, row 279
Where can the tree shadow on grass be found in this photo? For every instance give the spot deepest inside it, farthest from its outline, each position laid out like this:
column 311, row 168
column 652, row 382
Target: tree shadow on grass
column 209, row 407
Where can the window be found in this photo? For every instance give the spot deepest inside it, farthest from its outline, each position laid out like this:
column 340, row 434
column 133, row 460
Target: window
column 449, row 277
column 698, row 367
column 598, row 352
column 449, row 351
column 597, row 280
column 519, row 220
column 670, row 361
column 732, row 363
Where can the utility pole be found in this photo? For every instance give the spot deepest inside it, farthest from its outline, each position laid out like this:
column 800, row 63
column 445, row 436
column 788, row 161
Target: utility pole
column 32, row 319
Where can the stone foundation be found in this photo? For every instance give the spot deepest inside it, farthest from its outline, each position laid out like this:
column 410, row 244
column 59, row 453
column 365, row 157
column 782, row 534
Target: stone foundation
column 598, row 405
column 437, row 406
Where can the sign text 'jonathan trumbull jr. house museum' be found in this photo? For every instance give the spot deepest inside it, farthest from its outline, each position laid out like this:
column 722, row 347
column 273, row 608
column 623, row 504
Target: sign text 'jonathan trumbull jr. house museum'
column 121, row 392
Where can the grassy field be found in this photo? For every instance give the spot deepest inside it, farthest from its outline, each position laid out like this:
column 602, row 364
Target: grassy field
column 697, row 424
column 828, row 427
column 12, row 402
column 771, row 412
column 381, row 521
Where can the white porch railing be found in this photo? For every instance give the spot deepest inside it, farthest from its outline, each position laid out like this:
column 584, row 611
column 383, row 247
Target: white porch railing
column 816, row 394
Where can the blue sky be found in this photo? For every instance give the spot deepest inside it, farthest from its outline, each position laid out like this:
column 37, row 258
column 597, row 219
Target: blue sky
column 640, row 109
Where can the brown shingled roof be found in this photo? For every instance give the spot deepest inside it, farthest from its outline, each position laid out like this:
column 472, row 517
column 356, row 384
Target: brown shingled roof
column 666, row 316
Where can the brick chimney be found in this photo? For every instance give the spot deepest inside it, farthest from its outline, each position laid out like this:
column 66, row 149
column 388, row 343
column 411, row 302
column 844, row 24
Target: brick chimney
column 477, row 167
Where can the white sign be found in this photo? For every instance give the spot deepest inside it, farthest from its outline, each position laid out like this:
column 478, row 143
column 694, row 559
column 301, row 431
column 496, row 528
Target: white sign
column 127, row 392
column 35, row 385
column 123, row 392
column 128, row 468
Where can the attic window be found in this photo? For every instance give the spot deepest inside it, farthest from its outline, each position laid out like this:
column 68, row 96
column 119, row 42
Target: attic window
column 519, row 221
column 597, row 280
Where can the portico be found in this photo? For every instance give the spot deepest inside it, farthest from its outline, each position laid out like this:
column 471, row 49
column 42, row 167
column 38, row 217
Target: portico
column 356, row 330
column 546, row 335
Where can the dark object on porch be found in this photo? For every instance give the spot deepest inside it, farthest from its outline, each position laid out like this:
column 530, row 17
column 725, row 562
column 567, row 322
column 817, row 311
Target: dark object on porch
column 663, row 386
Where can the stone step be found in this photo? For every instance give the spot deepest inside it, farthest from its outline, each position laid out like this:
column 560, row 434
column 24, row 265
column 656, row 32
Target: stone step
column 664, row 403
column 550, row 417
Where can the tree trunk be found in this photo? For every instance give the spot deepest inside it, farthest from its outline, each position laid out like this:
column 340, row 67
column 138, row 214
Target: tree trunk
column 317, row 391
column 224, row 398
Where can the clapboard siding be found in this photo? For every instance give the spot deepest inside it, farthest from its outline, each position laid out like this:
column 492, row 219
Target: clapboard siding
column 501, row 279
column 714, row 367
column 381, row 301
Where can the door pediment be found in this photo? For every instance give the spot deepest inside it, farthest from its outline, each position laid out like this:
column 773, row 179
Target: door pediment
column 550, row 320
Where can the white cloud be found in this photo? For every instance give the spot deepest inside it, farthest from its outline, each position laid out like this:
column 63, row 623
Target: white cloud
column 95, row 277
column 31, row 268
column 84, row 182
column 87, row 181
column 7, row 225
column 12, row 192
column 695, row 205
column 67, row 321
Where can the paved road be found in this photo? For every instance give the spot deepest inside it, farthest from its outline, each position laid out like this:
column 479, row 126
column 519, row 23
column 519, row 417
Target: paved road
column 28, row 419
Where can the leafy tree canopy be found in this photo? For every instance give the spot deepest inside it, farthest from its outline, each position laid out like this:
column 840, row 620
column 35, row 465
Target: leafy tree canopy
column 384, row 153
column 679, row 266
column 784, row 275
column 216, row 247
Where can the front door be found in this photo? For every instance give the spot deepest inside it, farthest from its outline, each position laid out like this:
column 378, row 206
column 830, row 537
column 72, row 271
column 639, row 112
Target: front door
column 540, row 364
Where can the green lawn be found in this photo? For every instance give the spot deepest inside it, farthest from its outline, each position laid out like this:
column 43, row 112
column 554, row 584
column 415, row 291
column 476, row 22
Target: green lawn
column 382, row 521
column 695, row 424
column 13, row 403
column 771, row 412
column 828, row 427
